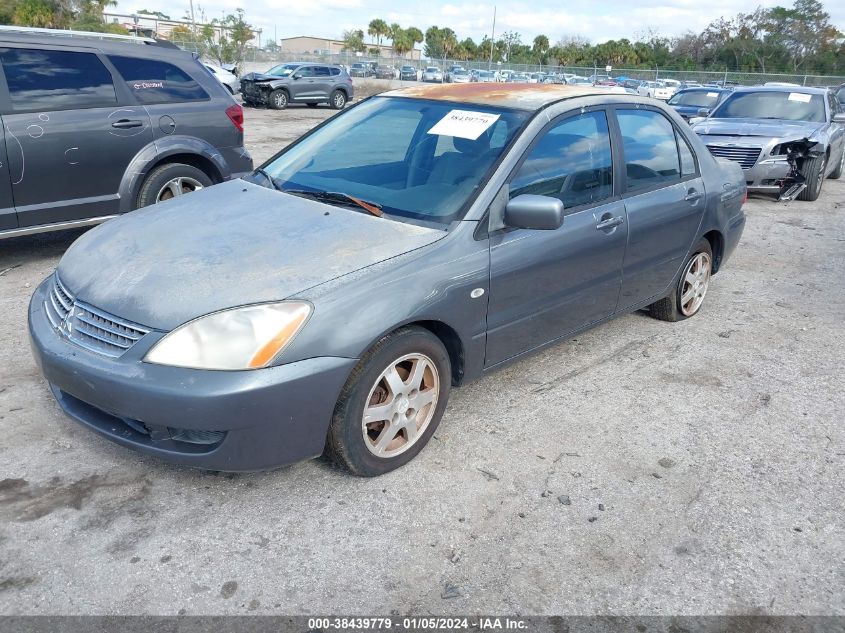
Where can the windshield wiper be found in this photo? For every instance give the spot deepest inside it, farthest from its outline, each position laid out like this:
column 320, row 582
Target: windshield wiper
column 269, row 178
column 338, row 197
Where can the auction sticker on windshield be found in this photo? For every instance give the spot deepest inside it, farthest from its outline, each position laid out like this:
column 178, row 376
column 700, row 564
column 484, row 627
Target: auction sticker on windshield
column 797, row 96
column 464, row 124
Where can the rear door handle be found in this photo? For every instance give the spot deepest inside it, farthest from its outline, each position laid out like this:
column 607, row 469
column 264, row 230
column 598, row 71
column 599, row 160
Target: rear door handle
column 127, row 123
column 610, row 223
column 693, row 195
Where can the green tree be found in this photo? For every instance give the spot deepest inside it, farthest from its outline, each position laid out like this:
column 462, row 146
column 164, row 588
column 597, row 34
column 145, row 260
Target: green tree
column 353, row 41
column 541, row 49
column 378, row 29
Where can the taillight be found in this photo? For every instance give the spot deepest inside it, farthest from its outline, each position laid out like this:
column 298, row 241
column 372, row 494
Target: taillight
column 236, row 114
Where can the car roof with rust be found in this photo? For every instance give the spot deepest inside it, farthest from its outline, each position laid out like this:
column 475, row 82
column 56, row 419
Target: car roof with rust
column 519, row 96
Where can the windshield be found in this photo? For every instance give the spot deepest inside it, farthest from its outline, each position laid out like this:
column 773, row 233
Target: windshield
column 432, row 69
column 282, row 70
column 791, row 106
column 388, row 152
column 695, row 98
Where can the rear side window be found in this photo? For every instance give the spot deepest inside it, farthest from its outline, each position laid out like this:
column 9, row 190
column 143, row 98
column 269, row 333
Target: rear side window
column 153, row 81
column 651, row 154
column 687, row 158
column 571, row 161
column 335, row 71
column 56, row 80
column 321, row 71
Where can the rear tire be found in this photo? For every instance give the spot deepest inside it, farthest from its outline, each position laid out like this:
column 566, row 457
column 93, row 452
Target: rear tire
column 338, row 100
column 391, row 404
column 687, row 296
column 837, row 173
column 813, row 172
column 167, row 181
column 278, row 99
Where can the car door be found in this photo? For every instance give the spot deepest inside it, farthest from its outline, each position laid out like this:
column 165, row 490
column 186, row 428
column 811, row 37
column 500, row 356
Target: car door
column 69, row 134
column 546, row 284
column 304, row 85
column 664, row 201
column 321, row 82
column 8, row 216
column 171, row 96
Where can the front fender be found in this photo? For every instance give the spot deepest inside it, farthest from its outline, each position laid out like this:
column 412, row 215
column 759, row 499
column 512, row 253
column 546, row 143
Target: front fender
column 159, row 150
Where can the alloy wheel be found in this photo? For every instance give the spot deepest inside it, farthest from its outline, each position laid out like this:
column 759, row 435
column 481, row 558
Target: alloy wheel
column 696, row 281
column 177, row 186
column 401, row 405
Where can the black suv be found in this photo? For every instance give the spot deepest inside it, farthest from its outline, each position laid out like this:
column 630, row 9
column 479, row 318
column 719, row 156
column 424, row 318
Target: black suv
column 96, row 125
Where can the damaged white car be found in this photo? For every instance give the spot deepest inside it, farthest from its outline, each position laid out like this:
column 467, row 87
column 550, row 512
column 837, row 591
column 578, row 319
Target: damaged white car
column 787, row 139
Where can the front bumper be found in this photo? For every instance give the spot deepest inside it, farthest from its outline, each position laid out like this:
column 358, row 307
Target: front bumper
column 216, row 420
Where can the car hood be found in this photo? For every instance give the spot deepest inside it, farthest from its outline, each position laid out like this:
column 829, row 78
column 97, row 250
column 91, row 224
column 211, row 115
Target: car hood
column 229, row 245
column 259, row 77
column 772, row 128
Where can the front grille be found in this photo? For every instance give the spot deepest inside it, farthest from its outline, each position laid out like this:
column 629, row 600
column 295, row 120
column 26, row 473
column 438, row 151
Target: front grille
column 745, row 156
column 88, row 327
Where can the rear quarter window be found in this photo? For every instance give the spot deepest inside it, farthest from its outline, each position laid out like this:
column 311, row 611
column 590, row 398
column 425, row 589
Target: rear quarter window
column 153, row 81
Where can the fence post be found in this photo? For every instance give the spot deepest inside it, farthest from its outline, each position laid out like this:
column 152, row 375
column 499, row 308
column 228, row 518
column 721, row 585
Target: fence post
column 804, row 83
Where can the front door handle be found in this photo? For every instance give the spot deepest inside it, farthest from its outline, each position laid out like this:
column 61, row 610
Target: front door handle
column 693, row 196
column 609, row 223
column 127, row 123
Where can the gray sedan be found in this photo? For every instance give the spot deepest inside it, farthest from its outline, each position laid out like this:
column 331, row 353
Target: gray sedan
column 403, row 248
column 787, row 139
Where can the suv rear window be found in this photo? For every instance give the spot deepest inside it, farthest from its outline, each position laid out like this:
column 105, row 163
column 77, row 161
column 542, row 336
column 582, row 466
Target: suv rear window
column 56, row 80
column 153, row 81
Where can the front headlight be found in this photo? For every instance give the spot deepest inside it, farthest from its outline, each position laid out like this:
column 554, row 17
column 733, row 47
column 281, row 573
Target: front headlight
column 241, row 338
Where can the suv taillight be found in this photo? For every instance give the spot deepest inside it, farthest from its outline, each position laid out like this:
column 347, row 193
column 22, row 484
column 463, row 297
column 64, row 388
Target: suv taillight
column 236, row 114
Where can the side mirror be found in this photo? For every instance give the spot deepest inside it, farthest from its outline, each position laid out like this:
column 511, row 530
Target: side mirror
column 297, row 76
column 528, row 211
column 704, row 112
column 839, row 117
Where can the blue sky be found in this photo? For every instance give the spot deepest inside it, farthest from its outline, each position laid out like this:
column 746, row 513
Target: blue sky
column 597, row 21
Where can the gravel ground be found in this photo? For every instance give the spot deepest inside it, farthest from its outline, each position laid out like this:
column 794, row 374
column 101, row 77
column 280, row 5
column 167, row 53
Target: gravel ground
column 641, row 468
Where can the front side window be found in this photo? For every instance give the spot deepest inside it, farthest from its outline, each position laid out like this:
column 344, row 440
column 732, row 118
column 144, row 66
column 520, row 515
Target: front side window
column 571, row 161
column 651, row 152
column 56, row 80
column 384, row 151
column 153, row 81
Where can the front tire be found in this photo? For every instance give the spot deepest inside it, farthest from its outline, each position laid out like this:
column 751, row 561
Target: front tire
column 687, row 296
column 278, row 99
column 169, row 181
column 391, row 404
column 813, row 172
column 338, row 100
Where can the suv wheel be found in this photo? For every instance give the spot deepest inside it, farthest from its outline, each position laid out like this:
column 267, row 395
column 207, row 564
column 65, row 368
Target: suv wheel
column 338, row 100
column 171, row 180
column 278, row 99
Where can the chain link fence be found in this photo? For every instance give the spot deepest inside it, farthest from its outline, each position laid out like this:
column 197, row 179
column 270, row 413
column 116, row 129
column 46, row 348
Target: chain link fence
column 256, row 60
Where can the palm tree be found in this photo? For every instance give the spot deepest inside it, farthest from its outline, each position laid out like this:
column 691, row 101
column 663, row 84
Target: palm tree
column 377, row 29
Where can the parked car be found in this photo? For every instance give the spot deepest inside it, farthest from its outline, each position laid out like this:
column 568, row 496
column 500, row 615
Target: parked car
column 505, row 75
column 697, row 102
column 363, row 69
column 655, row 90
column 98, row 125
column 673, row 84
column 459, row 76
column 385, row 72
column 486, row 76
column 839, row 91
column 408, row 73
column 283, row 337
column 432, row 74
column 598, row 78
column 631, row 84
column 447, row 76
column 229, row 80
column 299, row 82
column 519, row 78
column 787, row 140
column 577, row 80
